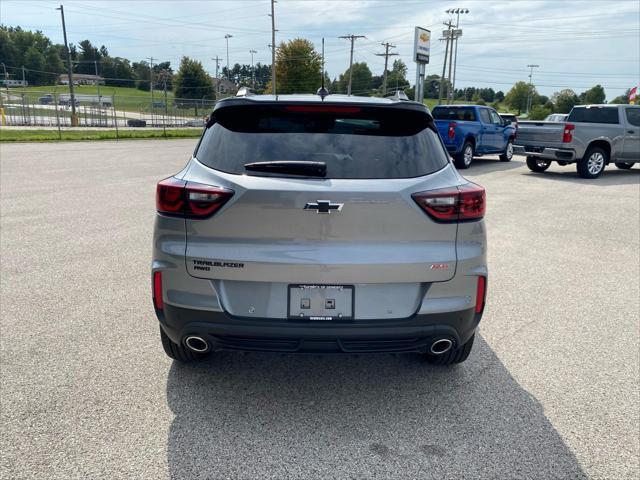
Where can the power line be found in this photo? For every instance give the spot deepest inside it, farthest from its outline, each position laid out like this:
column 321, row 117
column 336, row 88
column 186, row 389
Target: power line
column 353, row 38
column 386, row 56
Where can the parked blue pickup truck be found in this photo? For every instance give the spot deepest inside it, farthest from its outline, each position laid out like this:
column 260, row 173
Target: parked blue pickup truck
column 474, row 130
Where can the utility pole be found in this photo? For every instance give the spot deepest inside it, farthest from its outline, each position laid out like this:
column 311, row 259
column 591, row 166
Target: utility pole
column 273, row 47
column 530, row 96
column 217, row 60
column 227, row 37
column 386, row 56
column 457, row 11
column 95, row 64
column 353, row 38
column 74, row 117
column 447, row 37
column 151, row 85
column 253, row 70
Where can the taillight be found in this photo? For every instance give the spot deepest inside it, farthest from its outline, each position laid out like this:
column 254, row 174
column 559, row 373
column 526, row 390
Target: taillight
column 187, row 199
column 467, row 202
column 452, row 130
column 567, row 136
column 481, row 293
column 157, row 290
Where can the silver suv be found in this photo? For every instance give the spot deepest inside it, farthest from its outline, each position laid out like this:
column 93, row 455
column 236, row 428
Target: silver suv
column 319, row 224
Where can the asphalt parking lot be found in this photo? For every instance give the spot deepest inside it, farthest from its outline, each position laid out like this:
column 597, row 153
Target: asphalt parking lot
column 551, row 389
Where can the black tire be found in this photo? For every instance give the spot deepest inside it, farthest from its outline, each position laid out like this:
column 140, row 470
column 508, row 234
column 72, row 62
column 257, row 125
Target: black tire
column 507, row 156
column 623, row 165
column 465, row 157
column 179, row 352
column 537, row 165
column 593, row 163
column 453, row 356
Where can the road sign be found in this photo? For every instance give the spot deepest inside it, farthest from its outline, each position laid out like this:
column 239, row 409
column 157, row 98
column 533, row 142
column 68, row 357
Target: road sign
column 422, row 45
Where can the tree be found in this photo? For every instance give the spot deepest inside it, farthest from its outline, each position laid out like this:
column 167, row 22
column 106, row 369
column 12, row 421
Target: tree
column 595, row 95
column 499, row 96
column 298, row 67
column 397, row 77
column 360, row 82
column 192, row 81
column 565, row 100
column 622, row 99
column 518, row 96
column 87, row 55
column 53, row 63
column 539, row 112
column 432, row 86
column 34, row 63
column 142, row 74
column 117, row 72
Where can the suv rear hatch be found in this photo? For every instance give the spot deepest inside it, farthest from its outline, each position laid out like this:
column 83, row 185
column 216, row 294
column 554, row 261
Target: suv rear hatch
column 321, row 195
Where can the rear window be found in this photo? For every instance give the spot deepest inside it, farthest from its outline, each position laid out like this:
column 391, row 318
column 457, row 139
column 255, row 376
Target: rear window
column 353, row 142
column 455, row 113
column 594, row 115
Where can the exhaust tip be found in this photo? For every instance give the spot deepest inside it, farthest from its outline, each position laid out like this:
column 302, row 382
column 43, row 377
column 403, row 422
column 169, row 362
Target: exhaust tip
column 441, row 346
column 196, row 344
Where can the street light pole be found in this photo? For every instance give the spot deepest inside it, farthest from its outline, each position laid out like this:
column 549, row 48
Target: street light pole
column 458, row 11
column 253, row 70
column 74, row 117
column 227, row 37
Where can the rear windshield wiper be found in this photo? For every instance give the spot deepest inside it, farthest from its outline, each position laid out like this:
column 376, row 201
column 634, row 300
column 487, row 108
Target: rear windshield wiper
column 292, row 167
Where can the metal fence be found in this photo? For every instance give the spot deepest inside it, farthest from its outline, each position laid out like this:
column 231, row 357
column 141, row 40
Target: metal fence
column 43, row 109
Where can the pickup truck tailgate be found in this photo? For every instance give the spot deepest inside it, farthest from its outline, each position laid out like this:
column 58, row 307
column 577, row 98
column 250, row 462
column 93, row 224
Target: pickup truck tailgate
column 547, row 134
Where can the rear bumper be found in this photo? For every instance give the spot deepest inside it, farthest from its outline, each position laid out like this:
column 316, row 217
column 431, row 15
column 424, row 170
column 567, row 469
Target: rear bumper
column 545, row 153
column 223, row 332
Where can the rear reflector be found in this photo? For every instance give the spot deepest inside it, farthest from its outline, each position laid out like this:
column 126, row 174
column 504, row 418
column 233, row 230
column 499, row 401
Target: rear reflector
column 158, row 302
column 467, row 202
column 480, row 294
column 190, row 200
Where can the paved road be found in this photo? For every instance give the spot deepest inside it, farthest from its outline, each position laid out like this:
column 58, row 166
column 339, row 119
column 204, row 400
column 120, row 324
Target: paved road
column 551, row 389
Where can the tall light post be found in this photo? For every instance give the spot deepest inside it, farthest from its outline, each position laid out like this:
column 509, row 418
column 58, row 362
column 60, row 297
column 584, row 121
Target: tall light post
column 227, row 37
column 74, row 117
column 457, row 11
column 530, row 96
column 253, row 70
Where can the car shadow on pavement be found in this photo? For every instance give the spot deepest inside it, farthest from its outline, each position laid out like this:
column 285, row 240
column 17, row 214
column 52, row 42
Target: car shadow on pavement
column 481, row 166
column 382, row 416
column 611, row 176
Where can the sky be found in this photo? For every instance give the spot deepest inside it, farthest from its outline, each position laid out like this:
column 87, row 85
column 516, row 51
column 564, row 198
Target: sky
column 576, row 44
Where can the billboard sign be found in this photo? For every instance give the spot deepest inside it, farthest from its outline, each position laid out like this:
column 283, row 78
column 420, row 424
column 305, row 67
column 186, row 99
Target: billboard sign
column 422, row 45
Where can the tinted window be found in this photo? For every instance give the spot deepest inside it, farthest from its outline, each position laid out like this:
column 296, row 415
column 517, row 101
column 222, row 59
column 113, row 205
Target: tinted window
column 633, row 116
column 484, row 115
column 354, row 143
column 594, row 115
column 455, row 113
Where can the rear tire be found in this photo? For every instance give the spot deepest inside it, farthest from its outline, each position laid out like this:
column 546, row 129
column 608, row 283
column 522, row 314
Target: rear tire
column 537, row 165
column 453, row 356
column 508, row 152
column 624, row 165
column 593, row 163
column 179, row 352
column 465, row 157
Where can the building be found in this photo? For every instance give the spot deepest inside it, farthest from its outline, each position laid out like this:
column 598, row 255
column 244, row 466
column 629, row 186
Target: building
column 226, row 87
column 81, row 79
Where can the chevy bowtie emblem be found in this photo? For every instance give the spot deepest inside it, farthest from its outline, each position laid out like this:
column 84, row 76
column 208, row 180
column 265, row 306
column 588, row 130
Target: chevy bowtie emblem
column 324, row 206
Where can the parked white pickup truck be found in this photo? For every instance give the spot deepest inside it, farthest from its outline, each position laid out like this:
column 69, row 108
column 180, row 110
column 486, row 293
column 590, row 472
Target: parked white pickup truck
column 592, row 137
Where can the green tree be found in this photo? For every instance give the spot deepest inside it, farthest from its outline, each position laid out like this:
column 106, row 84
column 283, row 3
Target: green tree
column 622, row 99
column 595, row 95
column 53, row 63
column 565, row 100
column 298, row 67
column 361, row 80
column 117, row 72
column 538, row 112
column 499, row 96
column 192, row 81
column 518, row 96
column 397, row 77
column 34, row 62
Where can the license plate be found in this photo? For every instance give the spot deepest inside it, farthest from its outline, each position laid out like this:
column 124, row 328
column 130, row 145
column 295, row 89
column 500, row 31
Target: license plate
column 321, row 302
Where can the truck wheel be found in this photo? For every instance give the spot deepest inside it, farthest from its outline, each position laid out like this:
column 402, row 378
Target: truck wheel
column 179, row 352
column 624, row 165
column 508, row 152
column 453, row 356
column 465, row 157
column 593, row 163
column 537, row 164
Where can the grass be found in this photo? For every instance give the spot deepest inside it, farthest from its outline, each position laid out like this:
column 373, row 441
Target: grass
column 125, row 98
column 77, row 135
